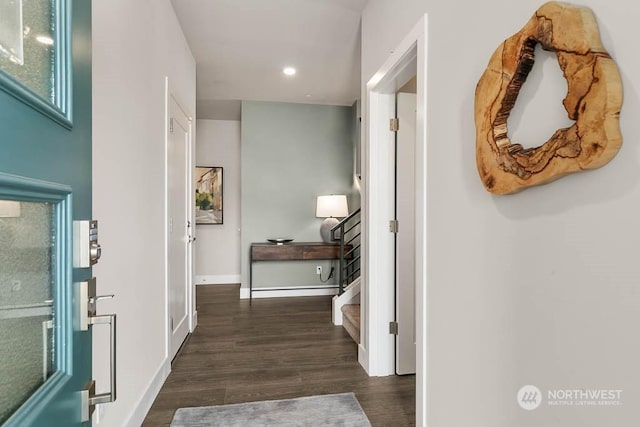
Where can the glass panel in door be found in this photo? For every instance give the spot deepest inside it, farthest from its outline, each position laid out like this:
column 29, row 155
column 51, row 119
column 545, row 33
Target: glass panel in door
column 27, row 284
column 28, row 43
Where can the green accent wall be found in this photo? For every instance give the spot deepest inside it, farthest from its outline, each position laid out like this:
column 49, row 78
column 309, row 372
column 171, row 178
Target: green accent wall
column 290, row 154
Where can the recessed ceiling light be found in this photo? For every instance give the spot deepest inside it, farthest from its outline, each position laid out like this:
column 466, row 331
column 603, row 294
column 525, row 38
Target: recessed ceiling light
column 45, row 40
column 289, row 71
column 308, row 95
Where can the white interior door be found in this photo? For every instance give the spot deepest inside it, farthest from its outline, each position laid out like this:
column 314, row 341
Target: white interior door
column 178, row 217
column 405, row 238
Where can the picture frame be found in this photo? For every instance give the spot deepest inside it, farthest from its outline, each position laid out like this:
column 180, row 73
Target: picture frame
column 209, row 195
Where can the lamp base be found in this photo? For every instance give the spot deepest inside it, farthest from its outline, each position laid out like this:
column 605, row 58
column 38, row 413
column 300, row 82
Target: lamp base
column 325, row 229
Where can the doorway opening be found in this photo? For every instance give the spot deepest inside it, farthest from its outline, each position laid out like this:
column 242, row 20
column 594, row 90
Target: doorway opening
column 377, row 353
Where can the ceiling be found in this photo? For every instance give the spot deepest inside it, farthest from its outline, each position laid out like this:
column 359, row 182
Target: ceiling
column 242, row 46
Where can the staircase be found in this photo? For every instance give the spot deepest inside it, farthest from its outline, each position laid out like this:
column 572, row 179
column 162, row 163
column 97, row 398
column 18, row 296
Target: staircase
column 351, row 320
column 348, row 233
column 346, row 305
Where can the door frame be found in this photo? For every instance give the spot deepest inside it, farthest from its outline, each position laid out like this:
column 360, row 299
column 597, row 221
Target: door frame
column 170, row 93
column 377, row 352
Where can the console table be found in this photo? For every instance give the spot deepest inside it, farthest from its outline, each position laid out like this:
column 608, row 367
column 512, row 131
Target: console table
column 300, row 251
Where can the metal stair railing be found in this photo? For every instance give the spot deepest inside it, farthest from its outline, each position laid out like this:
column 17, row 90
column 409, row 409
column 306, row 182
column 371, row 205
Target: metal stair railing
column 348, row 233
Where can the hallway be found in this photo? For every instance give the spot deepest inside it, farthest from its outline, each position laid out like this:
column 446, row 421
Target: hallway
column 278, row 348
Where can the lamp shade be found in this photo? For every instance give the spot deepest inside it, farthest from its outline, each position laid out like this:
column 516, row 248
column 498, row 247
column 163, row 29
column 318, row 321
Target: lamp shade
column 332, row 206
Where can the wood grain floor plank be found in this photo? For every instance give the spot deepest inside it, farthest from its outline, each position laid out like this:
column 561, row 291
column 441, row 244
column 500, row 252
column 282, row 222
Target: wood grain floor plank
column 277, row 348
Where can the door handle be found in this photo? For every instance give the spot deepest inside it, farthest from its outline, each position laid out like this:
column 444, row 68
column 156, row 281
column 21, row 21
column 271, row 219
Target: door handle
column 93, row 300
column 109, row 319
column 88, row 318
column 89, row 398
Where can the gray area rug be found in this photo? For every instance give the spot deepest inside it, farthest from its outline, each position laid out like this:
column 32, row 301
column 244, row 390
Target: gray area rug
column 327, row 410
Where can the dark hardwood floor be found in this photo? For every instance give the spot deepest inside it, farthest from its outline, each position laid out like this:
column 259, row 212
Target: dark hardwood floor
column 278, row 348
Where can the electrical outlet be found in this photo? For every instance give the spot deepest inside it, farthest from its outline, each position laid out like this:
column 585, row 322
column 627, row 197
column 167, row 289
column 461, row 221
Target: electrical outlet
column 318, row 270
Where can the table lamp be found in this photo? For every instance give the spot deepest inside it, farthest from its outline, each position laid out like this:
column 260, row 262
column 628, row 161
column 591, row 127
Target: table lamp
column 330, row 207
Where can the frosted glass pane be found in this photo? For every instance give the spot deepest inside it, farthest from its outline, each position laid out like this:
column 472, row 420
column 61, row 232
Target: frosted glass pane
column 11, row 30
column 27, row 278
column 34, row 35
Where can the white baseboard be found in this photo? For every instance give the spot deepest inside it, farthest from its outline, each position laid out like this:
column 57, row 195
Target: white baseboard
column 146, row 400
column 195, row 321
column 336, row 311
column 279, row 292
column 218, row 279
column 363, row 358
column 370, row 366
column 351, row 295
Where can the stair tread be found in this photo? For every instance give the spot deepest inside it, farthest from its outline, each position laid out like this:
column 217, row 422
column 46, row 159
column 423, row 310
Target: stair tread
column 351, row 320
column 352, row 311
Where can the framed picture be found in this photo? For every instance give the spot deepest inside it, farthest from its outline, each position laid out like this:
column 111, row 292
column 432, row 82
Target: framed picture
column 209, row 198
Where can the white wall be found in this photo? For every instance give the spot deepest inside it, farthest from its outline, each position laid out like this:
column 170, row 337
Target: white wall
column 537, row 288
column 135, row 45
column 218, row 246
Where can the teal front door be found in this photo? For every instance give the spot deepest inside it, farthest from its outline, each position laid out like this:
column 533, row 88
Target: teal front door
column 45, row 184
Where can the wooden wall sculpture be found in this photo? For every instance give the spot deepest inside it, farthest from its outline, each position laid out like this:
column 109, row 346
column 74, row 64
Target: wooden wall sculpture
column 593, row 101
